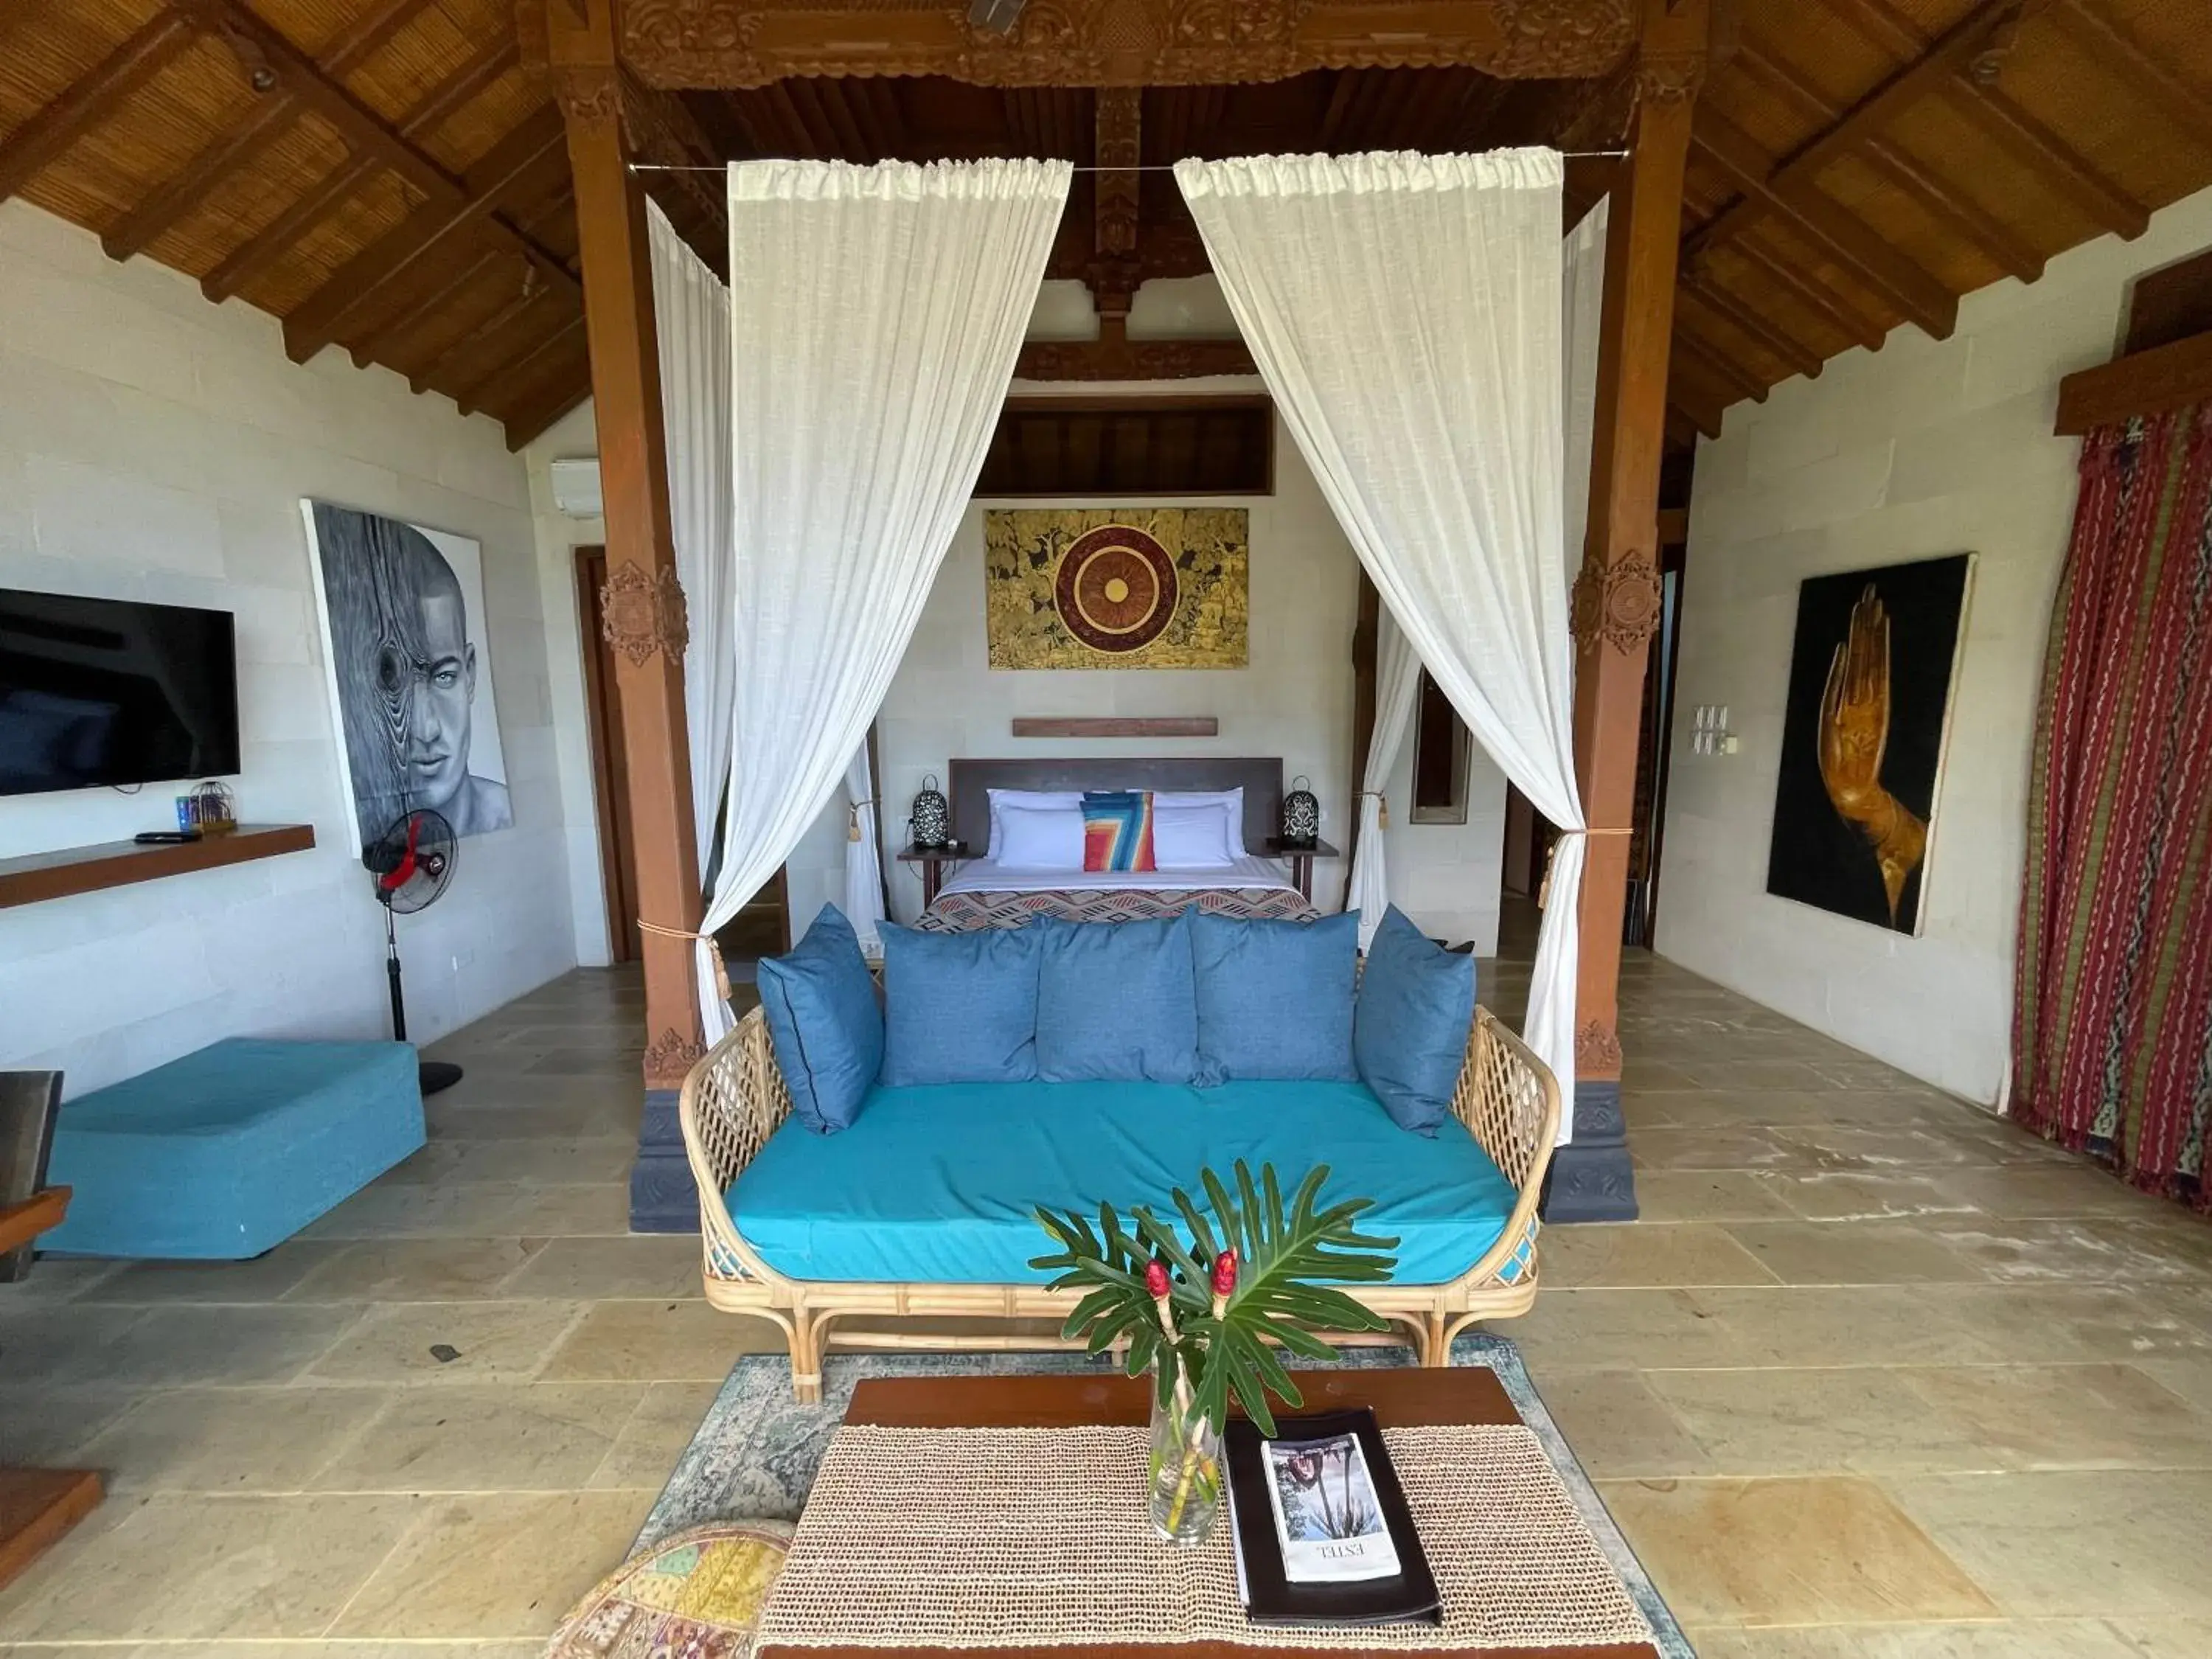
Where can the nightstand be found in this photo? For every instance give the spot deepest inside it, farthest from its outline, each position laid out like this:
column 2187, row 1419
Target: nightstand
column 1301, row 861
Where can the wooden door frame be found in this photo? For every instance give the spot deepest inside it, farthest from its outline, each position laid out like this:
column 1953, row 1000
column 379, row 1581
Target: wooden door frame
column 620, row 947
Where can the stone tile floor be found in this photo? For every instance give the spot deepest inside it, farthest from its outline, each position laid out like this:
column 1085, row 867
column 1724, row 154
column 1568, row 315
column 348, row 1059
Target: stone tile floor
column 1877, row 1375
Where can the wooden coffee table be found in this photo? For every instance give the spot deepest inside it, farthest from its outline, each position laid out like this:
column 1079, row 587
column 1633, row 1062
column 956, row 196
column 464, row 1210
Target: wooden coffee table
column 37, row 1506
column 1398, row 1399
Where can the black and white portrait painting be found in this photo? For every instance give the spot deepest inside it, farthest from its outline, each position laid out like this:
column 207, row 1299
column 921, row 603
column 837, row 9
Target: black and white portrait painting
column 404, row 633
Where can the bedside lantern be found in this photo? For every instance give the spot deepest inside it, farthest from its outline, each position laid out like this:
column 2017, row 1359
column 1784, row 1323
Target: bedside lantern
column 932, row 817
column 1301, row 815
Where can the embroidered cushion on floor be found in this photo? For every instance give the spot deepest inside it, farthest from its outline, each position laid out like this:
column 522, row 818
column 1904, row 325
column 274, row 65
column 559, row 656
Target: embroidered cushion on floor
column 1117, row 830
column 698, row 1594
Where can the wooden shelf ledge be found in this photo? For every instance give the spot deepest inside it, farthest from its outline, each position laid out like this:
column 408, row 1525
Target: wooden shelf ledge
column 72, row 870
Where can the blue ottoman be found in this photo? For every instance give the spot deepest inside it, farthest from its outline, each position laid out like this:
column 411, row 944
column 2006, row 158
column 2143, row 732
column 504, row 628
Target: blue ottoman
column 229, row 1152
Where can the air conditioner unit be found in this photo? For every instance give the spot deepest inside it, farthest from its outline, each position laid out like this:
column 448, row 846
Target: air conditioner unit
column 576, row 488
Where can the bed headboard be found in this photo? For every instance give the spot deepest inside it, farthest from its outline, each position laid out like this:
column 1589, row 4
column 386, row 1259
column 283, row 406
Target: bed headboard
column 1261, row 781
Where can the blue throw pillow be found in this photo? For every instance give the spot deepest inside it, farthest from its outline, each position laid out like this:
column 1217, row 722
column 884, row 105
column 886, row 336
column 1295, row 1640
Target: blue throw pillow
column 959, row 1007
column 1274, row 998
column 1116, row 1002
column 823, row 1022
column 1409, row 1031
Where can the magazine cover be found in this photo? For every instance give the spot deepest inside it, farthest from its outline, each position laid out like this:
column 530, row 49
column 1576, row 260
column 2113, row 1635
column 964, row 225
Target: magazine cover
column 1327, row 1518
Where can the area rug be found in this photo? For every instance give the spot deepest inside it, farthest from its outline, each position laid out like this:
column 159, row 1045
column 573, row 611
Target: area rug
column 757, row 1449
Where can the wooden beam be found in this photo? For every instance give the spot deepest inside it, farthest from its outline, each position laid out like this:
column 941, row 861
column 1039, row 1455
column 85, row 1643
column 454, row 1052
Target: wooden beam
column 390, row 350
column 60, row 123
column 1796, row 201
column 247, row 260
column 2153, row 382
column 522, row 155
column 269, row 118
column 2187, row 107
column 499, row 384
column 1717, row 365
column 1685, row 425
column 1809, row 292
column 2057, row 163
column 1734, row 313
column 528, row 420
column 1111, row 357
column 464, row 364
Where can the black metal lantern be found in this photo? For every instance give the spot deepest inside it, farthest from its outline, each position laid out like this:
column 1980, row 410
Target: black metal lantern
column 932, row 817
column 1301, row 815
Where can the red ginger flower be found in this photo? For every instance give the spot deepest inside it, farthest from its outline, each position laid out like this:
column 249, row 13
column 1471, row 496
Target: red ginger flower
column 1155, row 1279
column 1225, row 1273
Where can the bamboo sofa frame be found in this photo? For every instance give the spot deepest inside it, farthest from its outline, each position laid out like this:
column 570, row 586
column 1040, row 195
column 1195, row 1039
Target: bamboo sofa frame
column 734, row 1099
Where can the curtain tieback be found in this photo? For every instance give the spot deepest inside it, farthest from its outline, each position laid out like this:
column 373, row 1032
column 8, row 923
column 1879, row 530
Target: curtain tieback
column 713, row 949
column 1381, row 805
column 1544, row 890
column 853, row 817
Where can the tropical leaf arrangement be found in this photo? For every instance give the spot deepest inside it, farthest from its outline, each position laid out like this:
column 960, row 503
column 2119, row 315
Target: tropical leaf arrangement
column 1206, row 1306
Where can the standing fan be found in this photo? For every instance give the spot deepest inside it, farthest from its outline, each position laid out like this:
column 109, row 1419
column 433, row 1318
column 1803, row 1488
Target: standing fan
column 411, row 864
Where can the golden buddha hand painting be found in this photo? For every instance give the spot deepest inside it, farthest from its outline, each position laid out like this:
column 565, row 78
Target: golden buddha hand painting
column 1870, row 684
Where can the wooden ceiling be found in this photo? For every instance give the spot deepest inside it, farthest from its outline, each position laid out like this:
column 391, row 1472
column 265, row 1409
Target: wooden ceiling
column 389, row 176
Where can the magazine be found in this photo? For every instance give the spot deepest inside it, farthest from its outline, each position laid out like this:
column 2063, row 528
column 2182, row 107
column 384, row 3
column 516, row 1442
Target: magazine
column 1327, row 1520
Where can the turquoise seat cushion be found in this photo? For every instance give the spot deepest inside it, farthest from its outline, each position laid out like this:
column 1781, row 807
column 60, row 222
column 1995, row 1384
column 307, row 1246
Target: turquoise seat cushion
column 939, row 1185
column 1409, row 1027
column 227, row 1153
column 1114, row 1002
column 959, row 1007
column 1274, row 998
column 823, row 1022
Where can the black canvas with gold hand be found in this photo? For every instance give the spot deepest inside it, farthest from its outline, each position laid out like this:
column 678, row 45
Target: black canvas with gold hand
column 1853, row 735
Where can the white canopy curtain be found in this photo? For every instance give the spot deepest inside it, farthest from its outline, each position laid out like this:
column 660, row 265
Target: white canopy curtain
column 875, row 316
column 1397, row 683
column 1405, row 311
column 1583, row 311
column 863, row 901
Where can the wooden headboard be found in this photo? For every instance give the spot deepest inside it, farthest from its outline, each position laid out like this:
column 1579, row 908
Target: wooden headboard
column 1261, row 781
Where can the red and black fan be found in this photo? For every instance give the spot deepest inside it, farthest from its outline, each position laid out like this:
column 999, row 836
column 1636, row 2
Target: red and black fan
column 412, row 864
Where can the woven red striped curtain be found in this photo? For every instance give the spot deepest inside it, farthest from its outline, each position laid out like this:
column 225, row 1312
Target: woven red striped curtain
column 2113, row 1019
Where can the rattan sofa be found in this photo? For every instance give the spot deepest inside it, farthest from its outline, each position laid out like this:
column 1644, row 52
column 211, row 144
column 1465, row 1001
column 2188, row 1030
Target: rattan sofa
column 734, row 1099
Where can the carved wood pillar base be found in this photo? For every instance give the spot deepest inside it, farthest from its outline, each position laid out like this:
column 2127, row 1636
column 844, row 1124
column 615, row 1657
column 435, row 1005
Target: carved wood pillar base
column 1592, row 1178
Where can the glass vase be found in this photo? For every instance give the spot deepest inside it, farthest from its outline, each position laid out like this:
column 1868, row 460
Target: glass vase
column 1187, row 1474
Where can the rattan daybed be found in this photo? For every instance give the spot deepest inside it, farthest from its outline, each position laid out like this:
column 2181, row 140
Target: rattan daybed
column 734, row 1099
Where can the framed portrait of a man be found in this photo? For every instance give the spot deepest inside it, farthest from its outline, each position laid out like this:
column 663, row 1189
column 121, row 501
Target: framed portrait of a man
column 404, row 638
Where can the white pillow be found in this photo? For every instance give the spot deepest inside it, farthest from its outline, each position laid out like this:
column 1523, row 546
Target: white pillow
column 1190, row 837
column 1033, row 799
column 1039, row 838
column 1232, row 798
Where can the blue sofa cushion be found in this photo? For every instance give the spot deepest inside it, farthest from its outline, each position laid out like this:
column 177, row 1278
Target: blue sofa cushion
column 825, row 1023
column 959, row 1007
column 228, row 1152
column 940, row 1185
column 1409, row 1030
column 1116, row 1002
column 1274, row 998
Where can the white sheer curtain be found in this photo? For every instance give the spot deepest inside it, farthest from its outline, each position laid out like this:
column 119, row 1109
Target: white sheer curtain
column 864, row 859
column 1397, row 679
column 875, row 316
column 1405, row 313
column 691, row 316
column 1583, row 311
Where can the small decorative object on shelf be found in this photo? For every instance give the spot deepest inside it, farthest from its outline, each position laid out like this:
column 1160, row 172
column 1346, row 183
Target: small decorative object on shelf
column 1200, row 1313
column 1301, row 815
column 932, row 817
column 215, row 809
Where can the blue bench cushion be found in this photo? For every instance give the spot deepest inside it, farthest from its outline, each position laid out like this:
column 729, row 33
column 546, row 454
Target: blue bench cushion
column 938, row 1185
column 230, row 1150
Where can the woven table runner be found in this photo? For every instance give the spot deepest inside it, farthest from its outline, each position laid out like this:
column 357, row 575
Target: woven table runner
column 985, row 1538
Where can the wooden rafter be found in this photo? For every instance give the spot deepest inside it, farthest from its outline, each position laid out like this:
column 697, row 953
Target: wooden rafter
column 1720, row 366
column 275, row 240
column 2188, row 107
column 278, row 108
column 90, row 99
column 1808, row 291
column 499, row 384
column 1794, row 356
column 442, row 363
column 512, row 162
column 2057, row 162
column 561, row 391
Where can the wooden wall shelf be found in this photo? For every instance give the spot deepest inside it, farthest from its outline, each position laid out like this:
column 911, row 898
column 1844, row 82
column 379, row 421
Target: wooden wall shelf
column 72, row 870
column 1116, row 726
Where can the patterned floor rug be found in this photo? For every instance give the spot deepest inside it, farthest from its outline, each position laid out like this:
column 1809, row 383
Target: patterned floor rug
column 757, row 1450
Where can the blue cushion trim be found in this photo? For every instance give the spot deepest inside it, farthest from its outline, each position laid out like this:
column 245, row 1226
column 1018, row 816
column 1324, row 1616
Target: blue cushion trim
column 823, row 1022
column 1410, row 1026
column 1274, row 998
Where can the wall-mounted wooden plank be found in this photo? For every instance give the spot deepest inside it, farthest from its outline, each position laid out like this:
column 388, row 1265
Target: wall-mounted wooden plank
column 72, row 870
column 1116, row 726
column 2166, row 377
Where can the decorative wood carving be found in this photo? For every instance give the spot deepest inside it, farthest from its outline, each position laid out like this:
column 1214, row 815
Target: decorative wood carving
column 591, row 96
column 1109, row 358
column 1596, row 1050
column 669, row 1056
column 1618, row 603
column 1114, row 273
column 645, row 613
column 1117, row 43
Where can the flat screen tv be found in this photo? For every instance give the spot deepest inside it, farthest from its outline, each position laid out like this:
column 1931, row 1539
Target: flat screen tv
column 112, row 692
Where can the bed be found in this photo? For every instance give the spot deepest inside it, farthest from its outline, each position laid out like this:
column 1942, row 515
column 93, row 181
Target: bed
column 982, row 894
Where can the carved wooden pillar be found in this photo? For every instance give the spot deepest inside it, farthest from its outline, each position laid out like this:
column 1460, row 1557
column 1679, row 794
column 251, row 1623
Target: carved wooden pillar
column 644, row 602
column 1616, row 596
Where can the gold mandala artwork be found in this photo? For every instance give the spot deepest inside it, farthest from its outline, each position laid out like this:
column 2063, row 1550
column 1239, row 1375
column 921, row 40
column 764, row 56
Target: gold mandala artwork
column 1107, row 587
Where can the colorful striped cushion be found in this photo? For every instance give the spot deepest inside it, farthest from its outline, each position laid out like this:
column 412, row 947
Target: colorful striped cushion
column 1117, row 830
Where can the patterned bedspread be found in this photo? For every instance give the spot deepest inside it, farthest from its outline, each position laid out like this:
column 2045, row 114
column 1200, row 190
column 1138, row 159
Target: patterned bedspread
column 964, row 913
